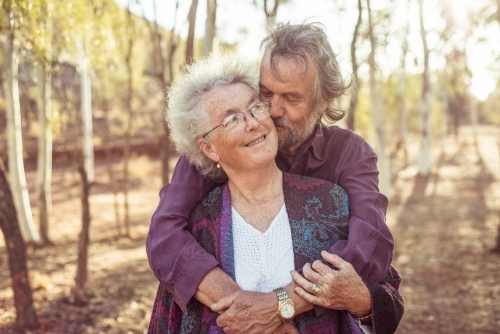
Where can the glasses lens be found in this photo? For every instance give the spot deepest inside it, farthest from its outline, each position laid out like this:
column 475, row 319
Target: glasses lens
column 233, row 120
column 260, row 110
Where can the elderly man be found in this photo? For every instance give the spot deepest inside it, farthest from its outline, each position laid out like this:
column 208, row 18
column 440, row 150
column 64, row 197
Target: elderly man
column 299, row 75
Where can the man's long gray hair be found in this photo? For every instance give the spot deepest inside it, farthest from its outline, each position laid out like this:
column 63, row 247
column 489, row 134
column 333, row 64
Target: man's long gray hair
column 308, row 42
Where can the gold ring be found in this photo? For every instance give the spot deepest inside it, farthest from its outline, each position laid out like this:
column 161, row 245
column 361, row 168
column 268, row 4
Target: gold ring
column 314, row 288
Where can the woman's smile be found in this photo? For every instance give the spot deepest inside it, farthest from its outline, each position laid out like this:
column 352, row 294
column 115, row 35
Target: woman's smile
column 255, row 142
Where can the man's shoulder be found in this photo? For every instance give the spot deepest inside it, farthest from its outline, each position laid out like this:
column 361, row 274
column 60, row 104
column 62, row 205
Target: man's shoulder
column 340, row 133
column 344, row 140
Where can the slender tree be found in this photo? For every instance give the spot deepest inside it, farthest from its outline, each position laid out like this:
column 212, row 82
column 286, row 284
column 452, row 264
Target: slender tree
column 271, row 14
column 210, row 40
column 425, row 154
column 497, row 248
column 78, row 294
column 86, row 110
column 44, row 168
column 108, row 145
column 383, row 162
column 26, row 318
column 163, row 69
column 354, row 100
column 15, row 146
column 130, row 32
column 190, row 37
column 403, row 120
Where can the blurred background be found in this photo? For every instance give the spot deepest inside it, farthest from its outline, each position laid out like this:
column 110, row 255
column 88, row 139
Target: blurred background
column 84, row 148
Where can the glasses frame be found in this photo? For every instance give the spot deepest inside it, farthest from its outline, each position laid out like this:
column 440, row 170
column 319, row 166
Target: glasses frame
column 249, row 111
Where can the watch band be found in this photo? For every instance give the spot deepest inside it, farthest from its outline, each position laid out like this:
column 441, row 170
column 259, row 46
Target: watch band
column 282, row 295
column 284, row 302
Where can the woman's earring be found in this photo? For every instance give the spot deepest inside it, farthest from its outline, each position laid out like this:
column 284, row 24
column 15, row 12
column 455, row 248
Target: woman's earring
column 218, row 166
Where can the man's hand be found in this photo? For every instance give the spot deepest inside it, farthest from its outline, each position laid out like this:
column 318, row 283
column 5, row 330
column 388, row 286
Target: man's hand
column 340, row 289
column 250, row 312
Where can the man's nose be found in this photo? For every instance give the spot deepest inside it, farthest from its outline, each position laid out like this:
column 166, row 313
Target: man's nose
column 277, row 110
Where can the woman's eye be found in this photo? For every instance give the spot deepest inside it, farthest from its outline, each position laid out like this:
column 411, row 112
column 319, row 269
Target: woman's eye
column 233, row 119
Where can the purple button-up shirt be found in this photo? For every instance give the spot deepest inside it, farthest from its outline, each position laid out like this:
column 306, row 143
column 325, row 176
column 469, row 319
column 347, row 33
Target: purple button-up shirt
column 331, row 153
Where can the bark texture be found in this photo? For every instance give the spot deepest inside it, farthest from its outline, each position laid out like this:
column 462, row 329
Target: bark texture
column 26, row 318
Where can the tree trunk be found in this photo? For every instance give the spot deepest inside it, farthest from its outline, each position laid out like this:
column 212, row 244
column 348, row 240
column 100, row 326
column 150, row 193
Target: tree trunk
column 497, row 248
column 26, row 318
column 160, row 72
column 403, row 121
column 498, row 234
column 210, row 40
column 78, row 293
column 129, row 114
column 473, row 117
column 44, row 169
column 425, row 155
column 354, row 100
column 443, row 129
column 86, row 107
column 15, row 146
column 109, row 160
column 271, row 15
column 172, row 46
column 383, row 163
column 190, row 37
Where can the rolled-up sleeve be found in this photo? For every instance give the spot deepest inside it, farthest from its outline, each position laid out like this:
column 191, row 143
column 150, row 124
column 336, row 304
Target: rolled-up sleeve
column 175, row 257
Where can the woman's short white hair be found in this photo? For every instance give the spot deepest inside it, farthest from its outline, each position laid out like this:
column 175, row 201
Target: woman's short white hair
column 186, row 116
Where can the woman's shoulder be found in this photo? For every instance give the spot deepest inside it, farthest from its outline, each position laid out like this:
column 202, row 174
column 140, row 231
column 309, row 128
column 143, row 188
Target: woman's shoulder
column 300, row 191
column 309, row 184
column 209, row 207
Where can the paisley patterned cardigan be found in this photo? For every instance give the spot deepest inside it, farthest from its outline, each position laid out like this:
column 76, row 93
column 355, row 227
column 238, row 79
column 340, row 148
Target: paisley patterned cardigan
column 318, row 213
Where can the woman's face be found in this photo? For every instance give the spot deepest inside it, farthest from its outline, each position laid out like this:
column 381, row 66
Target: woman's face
column 253, row 143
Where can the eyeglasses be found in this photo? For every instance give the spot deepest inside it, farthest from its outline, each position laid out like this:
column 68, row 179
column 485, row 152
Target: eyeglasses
column 260, row 111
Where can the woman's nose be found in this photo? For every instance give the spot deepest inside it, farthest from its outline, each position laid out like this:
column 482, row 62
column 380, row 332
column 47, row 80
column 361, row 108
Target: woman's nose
column 251, row 122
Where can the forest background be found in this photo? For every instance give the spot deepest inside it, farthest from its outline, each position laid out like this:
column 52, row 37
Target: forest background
column 84, row 149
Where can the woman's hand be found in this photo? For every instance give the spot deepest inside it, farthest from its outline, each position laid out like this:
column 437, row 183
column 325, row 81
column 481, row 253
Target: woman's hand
column 340, row 289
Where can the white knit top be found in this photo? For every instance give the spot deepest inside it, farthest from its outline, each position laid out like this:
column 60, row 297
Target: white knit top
column 263, row 260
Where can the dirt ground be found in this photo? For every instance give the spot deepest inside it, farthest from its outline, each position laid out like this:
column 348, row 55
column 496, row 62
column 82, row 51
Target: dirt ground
column 444, row 225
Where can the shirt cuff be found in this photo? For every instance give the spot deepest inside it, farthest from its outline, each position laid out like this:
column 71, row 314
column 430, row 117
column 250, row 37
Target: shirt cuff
column 186, row 284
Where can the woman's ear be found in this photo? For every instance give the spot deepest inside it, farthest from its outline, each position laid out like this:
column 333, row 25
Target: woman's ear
column 208, row 150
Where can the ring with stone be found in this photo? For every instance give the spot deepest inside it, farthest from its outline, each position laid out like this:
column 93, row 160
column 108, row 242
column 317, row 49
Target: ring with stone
column 315, row 288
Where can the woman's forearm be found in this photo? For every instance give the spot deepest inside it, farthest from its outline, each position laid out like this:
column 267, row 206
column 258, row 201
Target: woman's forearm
column 215, row 285
column 301, row 305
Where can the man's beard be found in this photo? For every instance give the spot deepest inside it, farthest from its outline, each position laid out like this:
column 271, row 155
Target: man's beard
column 297, row 133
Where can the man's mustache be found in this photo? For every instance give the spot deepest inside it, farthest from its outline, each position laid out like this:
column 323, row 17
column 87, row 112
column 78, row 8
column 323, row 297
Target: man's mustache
column 282, row 123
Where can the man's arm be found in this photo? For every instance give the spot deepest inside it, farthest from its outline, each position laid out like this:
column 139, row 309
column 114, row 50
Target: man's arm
column 370, row 243
column 175, row 257
column 387, row 303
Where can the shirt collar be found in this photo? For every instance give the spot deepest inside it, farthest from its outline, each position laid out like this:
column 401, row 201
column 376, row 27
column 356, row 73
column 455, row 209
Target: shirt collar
column 315, row 143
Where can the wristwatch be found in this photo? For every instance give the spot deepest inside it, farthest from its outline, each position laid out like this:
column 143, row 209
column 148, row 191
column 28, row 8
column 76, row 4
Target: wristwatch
column 286, row 309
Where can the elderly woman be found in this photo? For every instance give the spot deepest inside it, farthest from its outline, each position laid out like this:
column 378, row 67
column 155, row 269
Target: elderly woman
column 260, row 223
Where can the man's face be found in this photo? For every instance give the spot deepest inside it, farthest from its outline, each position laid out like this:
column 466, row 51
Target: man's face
column 291, row 97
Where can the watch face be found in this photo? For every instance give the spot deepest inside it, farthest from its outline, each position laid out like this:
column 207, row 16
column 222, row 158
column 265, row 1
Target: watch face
column 287, row 311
